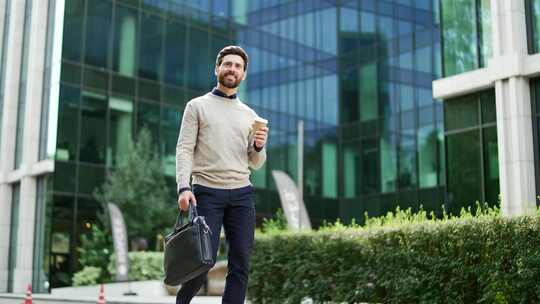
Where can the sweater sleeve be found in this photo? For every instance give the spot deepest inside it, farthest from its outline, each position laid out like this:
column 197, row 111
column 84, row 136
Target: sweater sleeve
column 185, row 146
column 257, row 159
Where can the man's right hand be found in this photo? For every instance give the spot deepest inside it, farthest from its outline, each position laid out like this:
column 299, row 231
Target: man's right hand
column 184, row 198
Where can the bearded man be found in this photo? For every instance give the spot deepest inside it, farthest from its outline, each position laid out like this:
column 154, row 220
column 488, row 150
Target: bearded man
column 216, row 147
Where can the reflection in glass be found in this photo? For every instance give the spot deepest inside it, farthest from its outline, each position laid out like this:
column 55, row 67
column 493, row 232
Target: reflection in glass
column 121, row 122
column 40, row 275
column 461, row 112
column 464, row 174
column 459, row 35
column 61, row 231
column 369, row 171
column 90, row 178
column 148, row 117
column 388, row 157
column 73, row 25
column 125, row 41
column 98, row 30
column 93, row 128
column 170, row 125
column 534, row 26
column 427, row 156
column 369, row 102
column 329, row 172
column 485, row 28
column 351, row 170
column 200, row 64
column 407, row 159
column 175, row 53
column 491, row 166
column 150, row 50
column 68, row 122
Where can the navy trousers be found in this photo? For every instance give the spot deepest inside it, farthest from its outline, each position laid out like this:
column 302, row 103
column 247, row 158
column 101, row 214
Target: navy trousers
column 235, row 211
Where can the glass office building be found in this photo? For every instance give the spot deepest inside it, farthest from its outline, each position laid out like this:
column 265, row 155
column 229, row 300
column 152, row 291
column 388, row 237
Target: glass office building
column 358, row 74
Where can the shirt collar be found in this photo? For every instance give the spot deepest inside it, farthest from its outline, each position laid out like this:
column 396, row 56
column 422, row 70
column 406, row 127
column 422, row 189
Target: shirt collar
column 217, row 92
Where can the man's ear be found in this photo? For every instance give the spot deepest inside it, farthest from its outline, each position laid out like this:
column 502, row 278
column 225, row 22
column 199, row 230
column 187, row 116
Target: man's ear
column 215, row 71
column 244, row 77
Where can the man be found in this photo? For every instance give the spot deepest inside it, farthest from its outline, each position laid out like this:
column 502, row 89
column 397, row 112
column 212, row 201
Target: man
column 216, row 147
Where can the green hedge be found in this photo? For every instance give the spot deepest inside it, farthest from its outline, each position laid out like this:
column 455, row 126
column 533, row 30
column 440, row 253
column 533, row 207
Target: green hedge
column 484, row 259
column 143, row 265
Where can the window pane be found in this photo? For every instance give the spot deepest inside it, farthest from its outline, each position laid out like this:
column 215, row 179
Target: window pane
column 64, row 177
column 170, row 124
column 68, row 123
column 369, row 102
column 93, row 128
column 73, row 24
column 464, row 174
column 489, row 113
column 98, row 30
column 351, row 170
column 125, row 41
column 427, row 156
column 60, row 254
column 407, row 159
column 491, row 166
column 388, row 150
column 200, row 65
column 350, row 96
column 150, row 51
column 485, row 28
column 175, row 48
column 121, row 122
column 90, row 178
column 329, row 172
column 460, row 36
column 148, row 117
column 369, row 175
column 535, row 24
column 461, row 112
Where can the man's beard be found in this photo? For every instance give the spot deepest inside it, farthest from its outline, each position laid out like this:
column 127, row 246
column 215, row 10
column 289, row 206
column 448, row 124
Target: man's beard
column 227, row 83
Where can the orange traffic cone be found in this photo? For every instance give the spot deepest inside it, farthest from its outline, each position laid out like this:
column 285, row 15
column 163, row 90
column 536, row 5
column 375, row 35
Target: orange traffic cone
column 101, row 298
column 28, row 298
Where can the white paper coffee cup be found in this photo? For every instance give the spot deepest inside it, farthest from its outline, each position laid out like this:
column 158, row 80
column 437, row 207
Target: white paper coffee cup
column 258, row 123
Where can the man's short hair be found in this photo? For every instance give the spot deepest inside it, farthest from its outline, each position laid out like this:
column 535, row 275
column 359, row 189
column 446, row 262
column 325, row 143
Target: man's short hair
column 232, row 50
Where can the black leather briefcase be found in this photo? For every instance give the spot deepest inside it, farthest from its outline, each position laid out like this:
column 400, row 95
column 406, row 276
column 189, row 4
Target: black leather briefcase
column 188, row 249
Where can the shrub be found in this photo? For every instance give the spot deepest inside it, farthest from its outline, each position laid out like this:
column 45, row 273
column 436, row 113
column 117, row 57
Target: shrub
column 89, row 275
column 95, row 250
column 143, row 265
column 274, row 224
column 404, row 258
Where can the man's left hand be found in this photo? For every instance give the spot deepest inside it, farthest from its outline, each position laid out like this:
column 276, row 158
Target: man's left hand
column 260, row 137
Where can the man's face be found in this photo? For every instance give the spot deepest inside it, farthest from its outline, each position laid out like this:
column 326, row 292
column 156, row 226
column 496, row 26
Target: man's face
column 230, row 72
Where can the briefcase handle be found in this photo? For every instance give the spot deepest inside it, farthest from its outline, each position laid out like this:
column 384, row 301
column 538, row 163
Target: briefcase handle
column 192, row 214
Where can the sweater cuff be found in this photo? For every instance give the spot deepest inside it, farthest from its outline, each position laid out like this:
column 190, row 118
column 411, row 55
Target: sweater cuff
column 257, row 148
column 183, row 189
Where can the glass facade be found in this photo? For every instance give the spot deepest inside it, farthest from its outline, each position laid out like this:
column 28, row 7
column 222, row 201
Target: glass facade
column 535, row 101
column 466, row 35
column 358, row 73
column 471, row 150
column 533, row 25
column 40, row 268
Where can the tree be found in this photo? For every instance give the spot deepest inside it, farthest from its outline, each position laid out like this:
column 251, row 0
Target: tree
column 138, row 187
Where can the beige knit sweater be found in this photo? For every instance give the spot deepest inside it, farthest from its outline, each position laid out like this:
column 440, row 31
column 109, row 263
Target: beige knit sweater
column 215, row 144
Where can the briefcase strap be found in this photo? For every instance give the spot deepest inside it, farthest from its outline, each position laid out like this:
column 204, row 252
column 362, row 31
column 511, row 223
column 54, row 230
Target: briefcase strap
column 192, row 214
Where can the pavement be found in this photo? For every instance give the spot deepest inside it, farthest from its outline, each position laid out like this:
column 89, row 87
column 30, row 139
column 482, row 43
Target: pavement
column 10, row 298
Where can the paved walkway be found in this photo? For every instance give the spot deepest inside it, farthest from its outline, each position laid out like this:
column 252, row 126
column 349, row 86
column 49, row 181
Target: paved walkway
column 50, row 299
